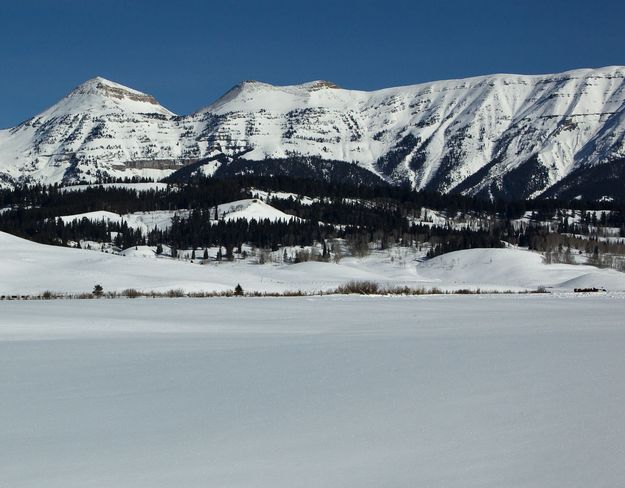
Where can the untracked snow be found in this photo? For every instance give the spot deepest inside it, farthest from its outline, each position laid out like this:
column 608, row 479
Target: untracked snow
column 455, row 392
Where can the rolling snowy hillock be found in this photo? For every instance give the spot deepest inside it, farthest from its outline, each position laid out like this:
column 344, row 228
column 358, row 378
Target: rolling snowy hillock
column 512, row 136
column 31, row 268
column 513, row 268
column 252, row 209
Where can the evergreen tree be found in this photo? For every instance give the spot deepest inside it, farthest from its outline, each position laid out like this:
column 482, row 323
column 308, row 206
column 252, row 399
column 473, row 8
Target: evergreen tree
column 98, row 291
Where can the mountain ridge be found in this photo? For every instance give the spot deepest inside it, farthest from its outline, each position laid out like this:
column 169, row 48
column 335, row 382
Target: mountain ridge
column 501, row 135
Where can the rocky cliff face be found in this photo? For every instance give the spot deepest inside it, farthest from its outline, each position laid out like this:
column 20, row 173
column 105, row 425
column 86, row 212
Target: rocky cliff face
column 501, row 135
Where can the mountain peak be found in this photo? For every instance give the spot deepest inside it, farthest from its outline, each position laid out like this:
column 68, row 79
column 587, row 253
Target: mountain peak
column 99, row 95
column 320, row 85
column 308, row 86
column 110, row 89
column 263, row 93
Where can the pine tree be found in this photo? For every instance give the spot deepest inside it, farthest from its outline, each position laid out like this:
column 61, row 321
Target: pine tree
column 98, row 291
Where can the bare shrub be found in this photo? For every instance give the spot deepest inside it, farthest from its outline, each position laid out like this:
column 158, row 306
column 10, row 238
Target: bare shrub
column 132, row 293
column 363, row 287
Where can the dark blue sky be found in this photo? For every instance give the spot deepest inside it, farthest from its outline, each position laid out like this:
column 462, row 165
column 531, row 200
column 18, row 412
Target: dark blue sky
column 187, row 52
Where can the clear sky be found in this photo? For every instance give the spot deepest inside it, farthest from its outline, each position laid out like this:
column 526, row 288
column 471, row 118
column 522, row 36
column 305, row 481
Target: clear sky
column 188, row 52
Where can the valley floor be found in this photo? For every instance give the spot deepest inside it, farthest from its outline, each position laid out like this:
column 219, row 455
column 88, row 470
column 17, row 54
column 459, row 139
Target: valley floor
column 454, row 391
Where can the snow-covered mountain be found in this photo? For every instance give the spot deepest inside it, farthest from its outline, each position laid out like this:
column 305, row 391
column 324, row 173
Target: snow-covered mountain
column 99, row 128
column 499, row 135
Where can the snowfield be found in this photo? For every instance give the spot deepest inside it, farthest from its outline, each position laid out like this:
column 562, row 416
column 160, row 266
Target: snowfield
column 30, row 268
column 453, row 391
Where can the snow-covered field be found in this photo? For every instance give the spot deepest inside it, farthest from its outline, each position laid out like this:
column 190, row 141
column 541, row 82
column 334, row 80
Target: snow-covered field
column 447, row 391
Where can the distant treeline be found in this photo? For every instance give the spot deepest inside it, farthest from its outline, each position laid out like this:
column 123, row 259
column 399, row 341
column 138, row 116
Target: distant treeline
column 362, row 214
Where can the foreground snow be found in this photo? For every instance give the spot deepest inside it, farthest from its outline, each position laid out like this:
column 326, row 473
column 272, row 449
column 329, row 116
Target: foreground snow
column 450, row 391
column 30, row 268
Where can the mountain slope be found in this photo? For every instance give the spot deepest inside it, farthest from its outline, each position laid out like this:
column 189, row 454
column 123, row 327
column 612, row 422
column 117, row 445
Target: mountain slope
column 511, row 136
column 500, row 135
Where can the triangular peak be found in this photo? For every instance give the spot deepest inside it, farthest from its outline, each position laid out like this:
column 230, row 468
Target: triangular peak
column 104, row 87
column 99, row 95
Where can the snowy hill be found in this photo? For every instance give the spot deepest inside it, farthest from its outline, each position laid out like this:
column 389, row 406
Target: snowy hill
column 252, row 209
column 31, row 268
column 498, row 135
column 513, row 268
